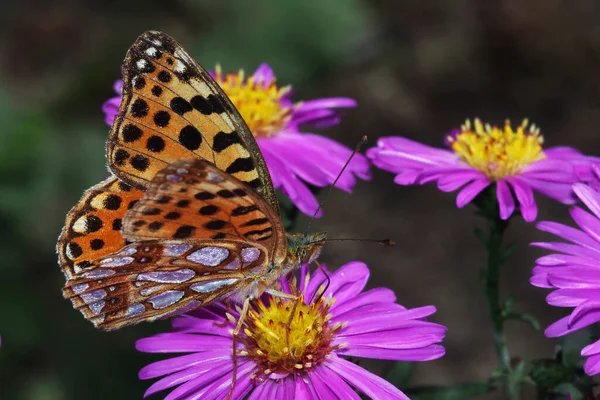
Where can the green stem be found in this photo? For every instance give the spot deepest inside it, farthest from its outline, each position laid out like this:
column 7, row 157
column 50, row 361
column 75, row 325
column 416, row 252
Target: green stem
column 492, row 287
column 496, row 255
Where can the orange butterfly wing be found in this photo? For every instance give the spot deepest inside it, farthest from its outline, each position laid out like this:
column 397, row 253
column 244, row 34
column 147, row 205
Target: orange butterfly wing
column 195, row 200
column 172, row 109
column 93, row 227
column 156, row 279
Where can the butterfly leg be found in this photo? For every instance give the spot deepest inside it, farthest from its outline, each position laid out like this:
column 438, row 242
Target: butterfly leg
column 319, row 293
column 235, row 332
column 288, row 325
column 227, row 314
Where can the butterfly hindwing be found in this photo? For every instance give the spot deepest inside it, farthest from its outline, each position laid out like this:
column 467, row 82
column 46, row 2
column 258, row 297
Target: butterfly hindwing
column 155, row 279
column 194, row 200
column 93, row 227
column 172, row 109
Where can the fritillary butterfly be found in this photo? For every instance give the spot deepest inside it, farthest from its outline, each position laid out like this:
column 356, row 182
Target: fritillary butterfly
column 191, row 214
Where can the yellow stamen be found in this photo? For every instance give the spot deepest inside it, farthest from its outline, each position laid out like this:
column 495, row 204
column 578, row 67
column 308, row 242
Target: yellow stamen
column 259, row 104
column 309, row 334
column 498, row 152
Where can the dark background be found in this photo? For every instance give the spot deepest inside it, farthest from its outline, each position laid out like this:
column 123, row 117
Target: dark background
column 416, row 68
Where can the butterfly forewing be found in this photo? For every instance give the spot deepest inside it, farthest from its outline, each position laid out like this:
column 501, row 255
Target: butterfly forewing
column 153, row 279
column 192, row 217
column 93, row 227
column 194, row 200
column 173, row 109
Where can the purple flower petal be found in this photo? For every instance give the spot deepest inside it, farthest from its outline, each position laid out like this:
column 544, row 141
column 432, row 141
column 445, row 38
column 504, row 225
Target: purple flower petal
column 368, row 383
column 571, row 234
column 525, row 197
column 506, row 202
column 348, row 281
column 592, row 365
column 331, row 384
column 590, row 197
column 179, row 343
column 470, row 191
column 330, row 102
column 264, row 73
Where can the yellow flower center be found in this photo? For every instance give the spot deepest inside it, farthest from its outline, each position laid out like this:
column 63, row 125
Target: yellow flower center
column 497, row 152
column 258, row 103
column 271, row 328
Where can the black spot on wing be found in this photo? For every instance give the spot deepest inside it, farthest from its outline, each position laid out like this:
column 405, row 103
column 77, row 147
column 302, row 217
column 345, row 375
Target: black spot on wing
column 202, row 104
column 131, row 133
column 240, row 164
column 155, row 144
column 112, row 202
column 215, row 224
column 75, row 249
column 93, row 223
column 96, row 244
column 190, row 137
column 139, row 108
column 162, row 118
column 204, row 196
column 243, row 210
column 183, row 232
column 257, row 221
column 139, row 162
column 223, row 140
column 208, row 210
column 180, row 105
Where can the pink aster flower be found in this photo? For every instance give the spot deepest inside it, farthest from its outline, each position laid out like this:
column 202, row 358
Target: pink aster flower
column 482, row 155
column 294, row 158
column 573, row 271
column 344, row 322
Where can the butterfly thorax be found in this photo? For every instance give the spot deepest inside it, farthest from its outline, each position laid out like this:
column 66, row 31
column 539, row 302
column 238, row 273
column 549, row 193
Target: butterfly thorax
column 302, row 249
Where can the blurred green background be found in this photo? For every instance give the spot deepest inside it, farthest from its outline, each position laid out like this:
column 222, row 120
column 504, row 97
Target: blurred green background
column 417, row 69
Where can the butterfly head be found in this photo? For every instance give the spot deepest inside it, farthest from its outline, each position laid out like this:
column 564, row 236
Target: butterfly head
column 306, row 248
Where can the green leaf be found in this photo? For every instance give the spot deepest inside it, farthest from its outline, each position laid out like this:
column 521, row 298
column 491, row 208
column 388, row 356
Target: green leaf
column 523, row 317
column 548, row 373
column 456, row 392
column 569, row 391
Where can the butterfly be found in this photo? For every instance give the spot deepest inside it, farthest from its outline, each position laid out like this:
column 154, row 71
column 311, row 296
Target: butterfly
column 189, row 215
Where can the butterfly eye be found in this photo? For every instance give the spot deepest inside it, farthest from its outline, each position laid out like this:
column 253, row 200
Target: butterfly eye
column 302, row 254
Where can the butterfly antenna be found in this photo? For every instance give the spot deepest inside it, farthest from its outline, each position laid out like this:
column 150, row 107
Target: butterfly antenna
column 322, row 292
column 383, row 242
column 360, row 144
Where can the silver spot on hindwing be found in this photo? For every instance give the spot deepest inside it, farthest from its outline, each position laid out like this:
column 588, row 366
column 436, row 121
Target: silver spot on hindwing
column 178, row 276
column 80, row 287
column 212, row 177
column 209, row 256
column 174, row 178
column 250, row 254
column 141, row 63
column 175, row 250
column 98, row 273
column 182, row 171
column 165, row 299
column 93, row 296
column 97, row 306
column 152, row 289
column 135, row 309
column 210, row 286
column 127, row 251
column 116, row 261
